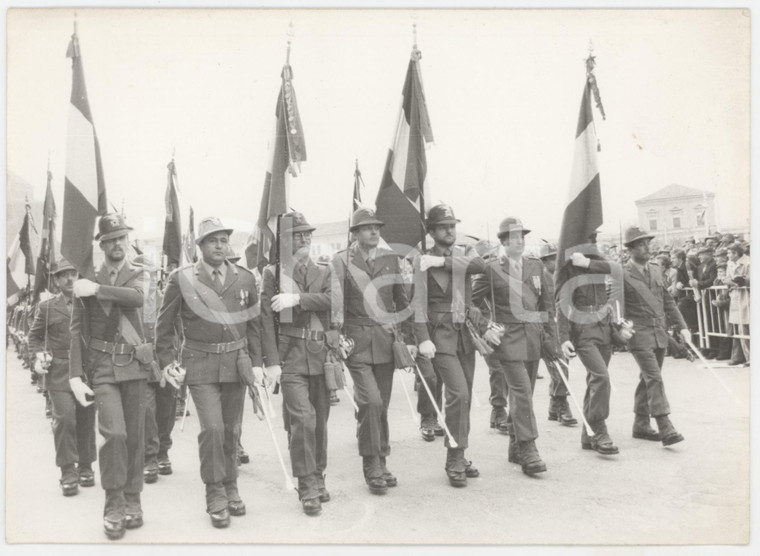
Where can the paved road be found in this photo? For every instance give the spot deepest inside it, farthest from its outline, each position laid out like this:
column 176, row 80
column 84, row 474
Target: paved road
column 696, row 492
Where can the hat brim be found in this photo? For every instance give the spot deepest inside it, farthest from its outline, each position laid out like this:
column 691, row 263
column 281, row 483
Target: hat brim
column 524, row 231
column 113, row 235
column 445, row 222
column 638, row 238
column 366, row 223
column 64, row 269
column 204, row 236
column 301, row 228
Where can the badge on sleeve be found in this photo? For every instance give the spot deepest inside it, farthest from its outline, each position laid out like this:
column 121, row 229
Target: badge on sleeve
column 537, row 283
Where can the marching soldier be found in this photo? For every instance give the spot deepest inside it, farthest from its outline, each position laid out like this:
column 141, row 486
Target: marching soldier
column 647, row 303
column 109, row 352
column 559, row 409
column 442, row 301
column 73, row 424
column 362, row 270
column 586, row 328
column 523, row 315
column 298, row 349
column 216, row 302
column 161, row 399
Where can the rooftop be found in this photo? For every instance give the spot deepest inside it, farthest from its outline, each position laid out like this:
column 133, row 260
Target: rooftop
column 675, row 190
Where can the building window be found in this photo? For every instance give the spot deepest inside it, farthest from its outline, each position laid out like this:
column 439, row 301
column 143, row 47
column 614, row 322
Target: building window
column 677, row 221
column 652, row 224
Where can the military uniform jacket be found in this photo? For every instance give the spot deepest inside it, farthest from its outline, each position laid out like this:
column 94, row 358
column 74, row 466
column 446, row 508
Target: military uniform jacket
column 372, row 333
column 53, row 315
column 646, row 304
column 443, row 293
column 527, row 321
column 583, row 295
column 301, row 356
column 113, row 315
column 234, row 314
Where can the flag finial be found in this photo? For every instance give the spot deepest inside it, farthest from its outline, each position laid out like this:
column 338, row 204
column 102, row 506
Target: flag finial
column 75, row 23
column 590, row 65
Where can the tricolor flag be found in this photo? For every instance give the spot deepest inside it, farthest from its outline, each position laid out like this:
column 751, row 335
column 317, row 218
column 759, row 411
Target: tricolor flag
column 188, row 252
column 173, row 224
column 84, row 194
column 403, row 190
column 287, row 151
column 15, row 272
column 25, row 242
column 583, row 214
column 47, row 245
column 358, row 184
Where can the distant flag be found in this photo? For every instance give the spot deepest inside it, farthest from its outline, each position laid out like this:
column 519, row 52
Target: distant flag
column 188, row 251
column 403, row 190
column 25, row 242
column 358, row 184
column 15, row 271
column 287, row 151
column 84, row 195
column 47, row 245
column 583, row 214
column 173, row 224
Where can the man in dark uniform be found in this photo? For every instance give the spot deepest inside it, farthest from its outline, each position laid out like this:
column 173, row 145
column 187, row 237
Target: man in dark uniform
column 298, row 348
column 73, row 424
column 372, row 323
column 216, row 302
column 559, row 409
column 647, row 303
column 442, row 301
column 524, row 311
column 161, row 400
column 109, row 351
column 585, row 325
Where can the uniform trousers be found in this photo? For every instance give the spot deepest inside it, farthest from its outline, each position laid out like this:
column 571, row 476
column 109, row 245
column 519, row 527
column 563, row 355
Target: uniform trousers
column 220, row 412
column 435, row 383
column 595, row 356
column 159, row 420
column 372, row 392
column 520, row 380
column 650, row 398
column 306, row 404
column 121, row 422
column 73, row 430
column 556, row 384
column 457, row 372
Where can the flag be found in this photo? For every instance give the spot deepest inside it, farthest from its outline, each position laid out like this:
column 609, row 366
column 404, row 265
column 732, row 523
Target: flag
column 25, row 243
column 583, row 214
column 173, row 225
column 15, row 272
column 287, row 151
column 189, row 240
column 358, row 183
column 84, row 194
column 47, row 244
column 401, row 198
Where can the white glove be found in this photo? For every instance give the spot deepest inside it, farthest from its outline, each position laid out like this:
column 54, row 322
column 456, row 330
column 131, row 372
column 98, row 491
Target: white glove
column 679, row 286
column 42, row 361
column 81, row 391
column 273, row 373
column 412, row 349
column 492, row 336
column 626, row 333
column 283, row 301
column 173, row 374
column 581, row 260
column 427, row 349
column 430, row 261
column 693, row 283
column 568, row 349
column 686, row 335
column 85, row 288
column 258, row 375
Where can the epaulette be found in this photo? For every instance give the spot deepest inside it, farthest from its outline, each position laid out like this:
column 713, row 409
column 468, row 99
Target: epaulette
column 241, row 267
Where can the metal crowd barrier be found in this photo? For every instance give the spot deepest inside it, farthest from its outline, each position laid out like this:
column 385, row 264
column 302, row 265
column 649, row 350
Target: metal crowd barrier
column 712, row 321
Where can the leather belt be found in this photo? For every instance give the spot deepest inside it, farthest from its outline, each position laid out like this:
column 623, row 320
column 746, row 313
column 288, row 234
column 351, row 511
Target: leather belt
column 440, row 308
column 224, row 347
column 590, row 308
column 652, row 321
column 302, row 333
column 60, row 353
column 111, row 347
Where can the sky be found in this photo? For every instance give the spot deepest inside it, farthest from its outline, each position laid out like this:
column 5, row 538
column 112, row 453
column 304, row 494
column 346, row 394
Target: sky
column 503, row 89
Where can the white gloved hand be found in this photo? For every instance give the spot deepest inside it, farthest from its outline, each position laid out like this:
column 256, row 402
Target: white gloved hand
column 273, row 373
column 430, row 261
column 85, row 288
column 42, row 361
column 686, row 335
column 427, row 349
column 173, row 374
column 283, row 301
column 568, row 349
column 492, row 336
column 81, row 391
column 626, row 333
column 258, row 375
column 679, row 286
column 581, row 260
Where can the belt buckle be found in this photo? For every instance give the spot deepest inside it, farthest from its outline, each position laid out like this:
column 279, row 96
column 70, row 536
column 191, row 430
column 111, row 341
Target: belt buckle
column 219, row 349
column 114, row 354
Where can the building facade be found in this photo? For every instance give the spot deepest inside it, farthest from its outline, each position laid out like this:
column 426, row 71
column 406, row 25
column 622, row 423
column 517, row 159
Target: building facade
column 677, row 212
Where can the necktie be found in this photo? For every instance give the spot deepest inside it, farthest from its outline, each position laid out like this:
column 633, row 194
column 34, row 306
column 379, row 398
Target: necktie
column 112, row 274
column 517, row 268
column 218, row 279
column 301, row 275
column 646, row 272
column 371, row 265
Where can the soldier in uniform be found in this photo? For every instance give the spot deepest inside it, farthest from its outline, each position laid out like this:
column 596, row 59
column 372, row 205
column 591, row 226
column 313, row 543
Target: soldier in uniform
column 442, row 301
column 297, row 348
column 524, row 312
column 73, row 424
column 109, row 351
column 647, row 303
column 585, row 325
column 161, row 400
column 365, row 269
column 559, row 409
column 216, row 303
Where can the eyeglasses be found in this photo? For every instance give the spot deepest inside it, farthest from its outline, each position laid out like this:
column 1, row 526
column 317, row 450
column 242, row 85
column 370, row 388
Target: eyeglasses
column 302, row 235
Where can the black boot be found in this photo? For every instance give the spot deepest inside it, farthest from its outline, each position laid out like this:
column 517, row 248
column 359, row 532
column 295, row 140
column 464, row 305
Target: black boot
column 324, row 495
column 668, row 433
column 514, row 449
column 308, row 494
column 390, row 480
column 499, row 419
column 564, row 415
column 529, row 459
column 553, row 408
column 643, row 430
column 456, row 467
column 69, row 480
column 373, row 474
column 600, row 442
